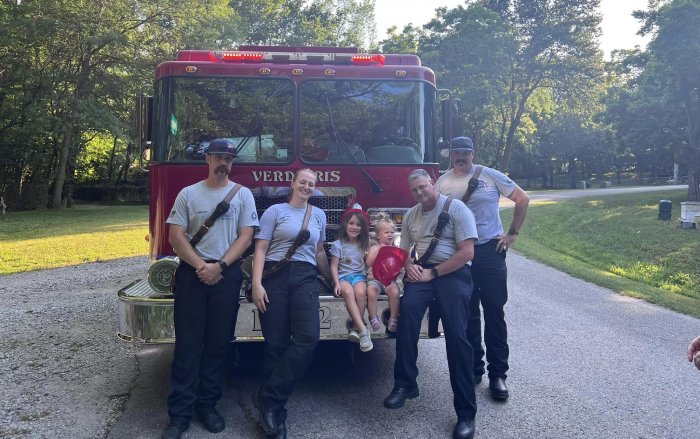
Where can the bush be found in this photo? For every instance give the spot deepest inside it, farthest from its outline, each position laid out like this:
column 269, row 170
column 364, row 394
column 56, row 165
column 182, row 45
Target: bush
column 123, row 193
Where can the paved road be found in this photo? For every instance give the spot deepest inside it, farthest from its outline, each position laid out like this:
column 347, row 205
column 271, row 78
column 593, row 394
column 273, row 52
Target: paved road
column 548, row 196
column 586, row 362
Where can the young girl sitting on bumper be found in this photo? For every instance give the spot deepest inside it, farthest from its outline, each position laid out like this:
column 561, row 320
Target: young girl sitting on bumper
column 349, row 271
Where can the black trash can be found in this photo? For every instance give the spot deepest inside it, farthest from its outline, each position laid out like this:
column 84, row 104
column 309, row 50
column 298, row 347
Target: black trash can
column 665, row 207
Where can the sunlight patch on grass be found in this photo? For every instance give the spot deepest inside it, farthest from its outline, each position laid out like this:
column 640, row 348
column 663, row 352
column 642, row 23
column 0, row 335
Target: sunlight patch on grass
column 618, row 242
column 50, row 239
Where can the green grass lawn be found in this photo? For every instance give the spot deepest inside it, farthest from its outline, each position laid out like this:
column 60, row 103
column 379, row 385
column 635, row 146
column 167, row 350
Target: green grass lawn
column 42, row 239
column 615, row 242
column 618, row 242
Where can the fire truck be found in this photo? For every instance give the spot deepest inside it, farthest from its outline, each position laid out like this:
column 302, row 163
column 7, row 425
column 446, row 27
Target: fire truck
column 361, row 121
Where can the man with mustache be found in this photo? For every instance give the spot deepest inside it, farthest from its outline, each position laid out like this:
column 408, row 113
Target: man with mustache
column 206, row 292
column 489, row 271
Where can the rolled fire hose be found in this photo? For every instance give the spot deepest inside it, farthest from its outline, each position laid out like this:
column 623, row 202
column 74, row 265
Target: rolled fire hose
column 161, row 272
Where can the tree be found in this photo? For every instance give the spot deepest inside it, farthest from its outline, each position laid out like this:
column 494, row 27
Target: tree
column 73, row 66
column 406, row 41
column 673, row 73
column 647, row 132
column 303, row 22
column 502, row 52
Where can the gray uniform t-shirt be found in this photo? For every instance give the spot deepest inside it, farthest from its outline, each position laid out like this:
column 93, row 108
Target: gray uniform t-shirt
column 281, row 223
column 351, row 258
column 484, row 200
column 418, row 227
column 195, row 203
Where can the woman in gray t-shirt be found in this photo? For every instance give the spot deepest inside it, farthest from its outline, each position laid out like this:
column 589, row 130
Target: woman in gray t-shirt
column 287, row 300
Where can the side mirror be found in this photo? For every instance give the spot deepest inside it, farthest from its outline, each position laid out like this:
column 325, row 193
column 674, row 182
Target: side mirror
column 451, row 121
column 144, row 118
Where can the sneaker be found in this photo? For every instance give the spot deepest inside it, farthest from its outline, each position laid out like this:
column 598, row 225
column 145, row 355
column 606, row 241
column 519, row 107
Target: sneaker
column 365, row 341
column 354, row 336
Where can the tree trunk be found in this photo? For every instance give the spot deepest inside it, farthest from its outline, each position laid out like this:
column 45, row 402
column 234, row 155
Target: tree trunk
column 61, row 168
column 123, row 174
column 111, row 160
column 505, row 162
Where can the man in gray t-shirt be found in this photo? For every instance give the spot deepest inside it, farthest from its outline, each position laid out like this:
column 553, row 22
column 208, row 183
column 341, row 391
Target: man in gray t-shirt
column 442, row 277
column 489, row 270
column 207, row 284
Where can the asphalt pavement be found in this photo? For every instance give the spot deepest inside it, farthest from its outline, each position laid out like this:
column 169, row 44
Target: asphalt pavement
column 545, row 196
column 585, row 362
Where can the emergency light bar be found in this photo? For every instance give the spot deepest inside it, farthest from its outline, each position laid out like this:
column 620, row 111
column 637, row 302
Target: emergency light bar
column 297, row 57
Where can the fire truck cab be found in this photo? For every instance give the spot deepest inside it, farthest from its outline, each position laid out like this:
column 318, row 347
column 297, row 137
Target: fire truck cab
column 362, row 122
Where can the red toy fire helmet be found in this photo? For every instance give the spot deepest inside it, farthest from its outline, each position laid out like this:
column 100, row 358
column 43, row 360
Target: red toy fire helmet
column 360, row 212
column 388, row 264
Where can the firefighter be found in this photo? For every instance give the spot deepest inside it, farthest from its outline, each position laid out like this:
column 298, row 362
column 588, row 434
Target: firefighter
column 441, row 273
column 489, row 269
column 289, row 255
column 206, row 289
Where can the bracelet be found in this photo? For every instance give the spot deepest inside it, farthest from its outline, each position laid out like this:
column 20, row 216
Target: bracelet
column 512, row 231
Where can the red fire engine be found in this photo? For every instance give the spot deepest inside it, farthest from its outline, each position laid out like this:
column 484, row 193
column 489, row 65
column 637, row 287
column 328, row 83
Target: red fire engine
column 362, row 122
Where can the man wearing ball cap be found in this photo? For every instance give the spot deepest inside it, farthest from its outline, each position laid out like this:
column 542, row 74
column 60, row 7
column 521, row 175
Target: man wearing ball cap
column 489, row 270
column 207, row 284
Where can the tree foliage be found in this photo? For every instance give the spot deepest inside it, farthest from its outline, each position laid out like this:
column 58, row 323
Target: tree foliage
column 535, row 94
column 498, row 54
column 70, row 69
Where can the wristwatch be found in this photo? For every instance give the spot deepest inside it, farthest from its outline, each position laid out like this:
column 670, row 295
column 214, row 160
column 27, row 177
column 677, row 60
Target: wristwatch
column 223, row 264
column 434, row 272
column 512, row 231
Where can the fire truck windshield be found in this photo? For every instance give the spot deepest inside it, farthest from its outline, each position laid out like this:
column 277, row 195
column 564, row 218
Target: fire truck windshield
column 340, row 120
column 256, row 114
column 377, row 121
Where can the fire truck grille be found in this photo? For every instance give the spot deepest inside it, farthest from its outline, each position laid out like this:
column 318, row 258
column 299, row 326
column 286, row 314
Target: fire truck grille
column 332, row 206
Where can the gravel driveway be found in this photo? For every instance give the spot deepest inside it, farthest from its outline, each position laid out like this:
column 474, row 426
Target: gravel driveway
column 63, row 372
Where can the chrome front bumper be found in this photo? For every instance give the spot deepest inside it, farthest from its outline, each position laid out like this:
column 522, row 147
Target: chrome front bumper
column 145, row 316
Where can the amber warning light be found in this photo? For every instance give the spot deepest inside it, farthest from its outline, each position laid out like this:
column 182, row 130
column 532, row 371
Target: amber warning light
column 235, row 56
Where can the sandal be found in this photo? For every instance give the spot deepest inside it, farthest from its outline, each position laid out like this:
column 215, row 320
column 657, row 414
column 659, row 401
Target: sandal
column 393, row 325
column 376, row 324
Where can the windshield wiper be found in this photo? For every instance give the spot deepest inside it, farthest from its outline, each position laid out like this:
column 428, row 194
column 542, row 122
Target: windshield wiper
column 333, row 132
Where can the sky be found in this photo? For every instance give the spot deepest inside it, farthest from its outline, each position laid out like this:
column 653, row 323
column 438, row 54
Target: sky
column 618, row 26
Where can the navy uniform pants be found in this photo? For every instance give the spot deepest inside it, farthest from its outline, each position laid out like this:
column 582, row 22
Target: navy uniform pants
column 204, row 316
column 451, row 293
column 490, row 276
column 291, row 327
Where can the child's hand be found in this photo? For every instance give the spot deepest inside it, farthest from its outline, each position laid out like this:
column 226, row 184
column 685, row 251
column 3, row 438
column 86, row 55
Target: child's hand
column 337, row 291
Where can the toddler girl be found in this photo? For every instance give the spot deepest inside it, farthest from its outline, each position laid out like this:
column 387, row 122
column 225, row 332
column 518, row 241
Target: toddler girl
column 384, row 230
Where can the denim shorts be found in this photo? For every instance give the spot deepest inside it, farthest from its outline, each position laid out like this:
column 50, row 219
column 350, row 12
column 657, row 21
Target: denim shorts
column 376, row 283
column 379, row 285
column 354, row 278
